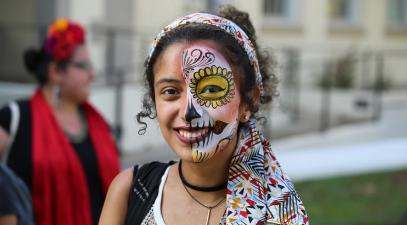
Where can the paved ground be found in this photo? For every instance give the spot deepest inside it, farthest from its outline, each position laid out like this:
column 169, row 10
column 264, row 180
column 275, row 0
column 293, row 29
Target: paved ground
column 339, row 160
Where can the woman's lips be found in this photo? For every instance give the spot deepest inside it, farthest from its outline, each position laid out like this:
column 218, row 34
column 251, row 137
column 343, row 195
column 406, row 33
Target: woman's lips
column 199, row 135
column 191, row 136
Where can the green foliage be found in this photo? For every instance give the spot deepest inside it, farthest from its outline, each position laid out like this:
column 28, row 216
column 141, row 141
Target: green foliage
column 374, row 199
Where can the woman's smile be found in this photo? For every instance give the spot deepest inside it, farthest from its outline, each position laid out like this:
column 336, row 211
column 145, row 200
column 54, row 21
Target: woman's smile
column 190, row 135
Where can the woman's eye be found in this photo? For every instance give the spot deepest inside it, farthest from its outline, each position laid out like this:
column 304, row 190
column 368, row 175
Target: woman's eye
column 170, row 92
column 211, row 89
column 212, row 86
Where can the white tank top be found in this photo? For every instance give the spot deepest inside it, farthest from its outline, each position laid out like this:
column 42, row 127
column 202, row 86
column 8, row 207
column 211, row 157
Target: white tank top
column 154, row 216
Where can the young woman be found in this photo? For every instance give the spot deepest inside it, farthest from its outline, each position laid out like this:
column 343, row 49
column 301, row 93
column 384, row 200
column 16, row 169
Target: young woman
column 206, row 81
column 63, row 149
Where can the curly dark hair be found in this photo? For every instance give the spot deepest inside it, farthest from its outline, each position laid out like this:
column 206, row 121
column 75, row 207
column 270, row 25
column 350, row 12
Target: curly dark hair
column 233, row 51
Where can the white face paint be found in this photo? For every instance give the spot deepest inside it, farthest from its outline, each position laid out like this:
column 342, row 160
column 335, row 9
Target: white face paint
column 213, row 102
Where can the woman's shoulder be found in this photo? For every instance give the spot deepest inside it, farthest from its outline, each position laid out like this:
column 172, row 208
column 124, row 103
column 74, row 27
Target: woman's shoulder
column 122, row 181
column 115, row 206
column 5, row 112
column 144, row 189
column 122, row 202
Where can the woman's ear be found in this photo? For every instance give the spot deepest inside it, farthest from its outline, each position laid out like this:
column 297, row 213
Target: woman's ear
column 256, row 96
column 54, row 73
column 244, row 113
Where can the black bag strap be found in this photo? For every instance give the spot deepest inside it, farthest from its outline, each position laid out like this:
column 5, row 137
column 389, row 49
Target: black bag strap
column 15, row 120
column 144, row 191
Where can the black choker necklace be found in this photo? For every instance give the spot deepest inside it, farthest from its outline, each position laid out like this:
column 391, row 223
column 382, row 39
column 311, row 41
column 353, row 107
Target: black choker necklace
column 197, row 188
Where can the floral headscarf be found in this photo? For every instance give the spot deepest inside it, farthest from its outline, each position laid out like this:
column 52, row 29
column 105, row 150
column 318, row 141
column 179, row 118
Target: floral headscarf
column 258, row 191
column 62, row 39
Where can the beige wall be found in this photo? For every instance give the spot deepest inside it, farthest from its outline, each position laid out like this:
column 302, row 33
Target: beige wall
column 311, row 30
column 311, row 27
column 18, row 25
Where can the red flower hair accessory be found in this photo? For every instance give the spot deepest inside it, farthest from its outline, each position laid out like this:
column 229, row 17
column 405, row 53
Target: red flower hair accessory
column 62, row 39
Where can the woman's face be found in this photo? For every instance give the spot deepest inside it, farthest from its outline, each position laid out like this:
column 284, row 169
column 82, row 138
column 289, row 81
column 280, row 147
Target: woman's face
column 197, row 100
column 78, row 76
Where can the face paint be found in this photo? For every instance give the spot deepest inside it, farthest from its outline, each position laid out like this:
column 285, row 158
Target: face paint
column 213, row 103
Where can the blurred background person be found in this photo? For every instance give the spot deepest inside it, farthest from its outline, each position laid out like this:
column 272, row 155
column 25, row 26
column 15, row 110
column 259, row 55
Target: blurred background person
column 63, row 149
column 15, row 204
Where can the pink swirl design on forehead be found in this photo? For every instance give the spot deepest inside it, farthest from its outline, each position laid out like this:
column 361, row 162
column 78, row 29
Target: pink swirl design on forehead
column 223, row 24
column 196, row 58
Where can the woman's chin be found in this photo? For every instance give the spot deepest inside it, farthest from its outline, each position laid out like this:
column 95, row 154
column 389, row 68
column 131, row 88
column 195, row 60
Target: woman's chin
column 184, row 153
column 188, row 155
column 82, row 99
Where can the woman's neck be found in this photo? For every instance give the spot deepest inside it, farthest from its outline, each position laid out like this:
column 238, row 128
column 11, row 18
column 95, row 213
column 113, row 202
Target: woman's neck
column 61, row 104
column 66, row 112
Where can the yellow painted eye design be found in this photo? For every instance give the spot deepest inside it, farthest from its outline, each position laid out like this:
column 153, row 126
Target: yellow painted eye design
column 212, row 86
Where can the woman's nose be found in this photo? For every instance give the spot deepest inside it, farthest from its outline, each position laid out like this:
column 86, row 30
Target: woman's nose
column 191, row 112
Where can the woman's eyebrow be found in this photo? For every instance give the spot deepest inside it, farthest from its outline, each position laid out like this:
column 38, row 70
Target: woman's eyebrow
column 168, row 80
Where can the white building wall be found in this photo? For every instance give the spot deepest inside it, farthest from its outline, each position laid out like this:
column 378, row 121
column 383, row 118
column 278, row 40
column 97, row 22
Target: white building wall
column 103, row 99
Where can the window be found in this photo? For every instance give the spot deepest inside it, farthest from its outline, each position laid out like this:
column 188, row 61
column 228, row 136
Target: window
column 397, row 12
column 275, row 8
column 280, row 11
column 344, row 12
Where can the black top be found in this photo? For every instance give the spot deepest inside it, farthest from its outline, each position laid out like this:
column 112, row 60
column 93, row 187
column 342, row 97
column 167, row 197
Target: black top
column 15, row 197
column 144, row 190
column 20, row 157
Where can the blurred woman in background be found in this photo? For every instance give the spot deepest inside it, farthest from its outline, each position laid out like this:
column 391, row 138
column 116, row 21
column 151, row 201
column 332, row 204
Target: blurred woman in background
column 61, row 146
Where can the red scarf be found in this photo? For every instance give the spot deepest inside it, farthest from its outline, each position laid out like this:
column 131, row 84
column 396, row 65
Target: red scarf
column 60, row 190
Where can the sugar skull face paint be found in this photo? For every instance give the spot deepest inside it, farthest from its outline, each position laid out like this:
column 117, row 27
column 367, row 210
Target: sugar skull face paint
column 213, row 104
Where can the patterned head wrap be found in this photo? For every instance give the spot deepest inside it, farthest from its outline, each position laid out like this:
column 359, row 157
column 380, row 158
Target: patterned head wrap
column 62, row 39
column 258, row 190
column 223, row 24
